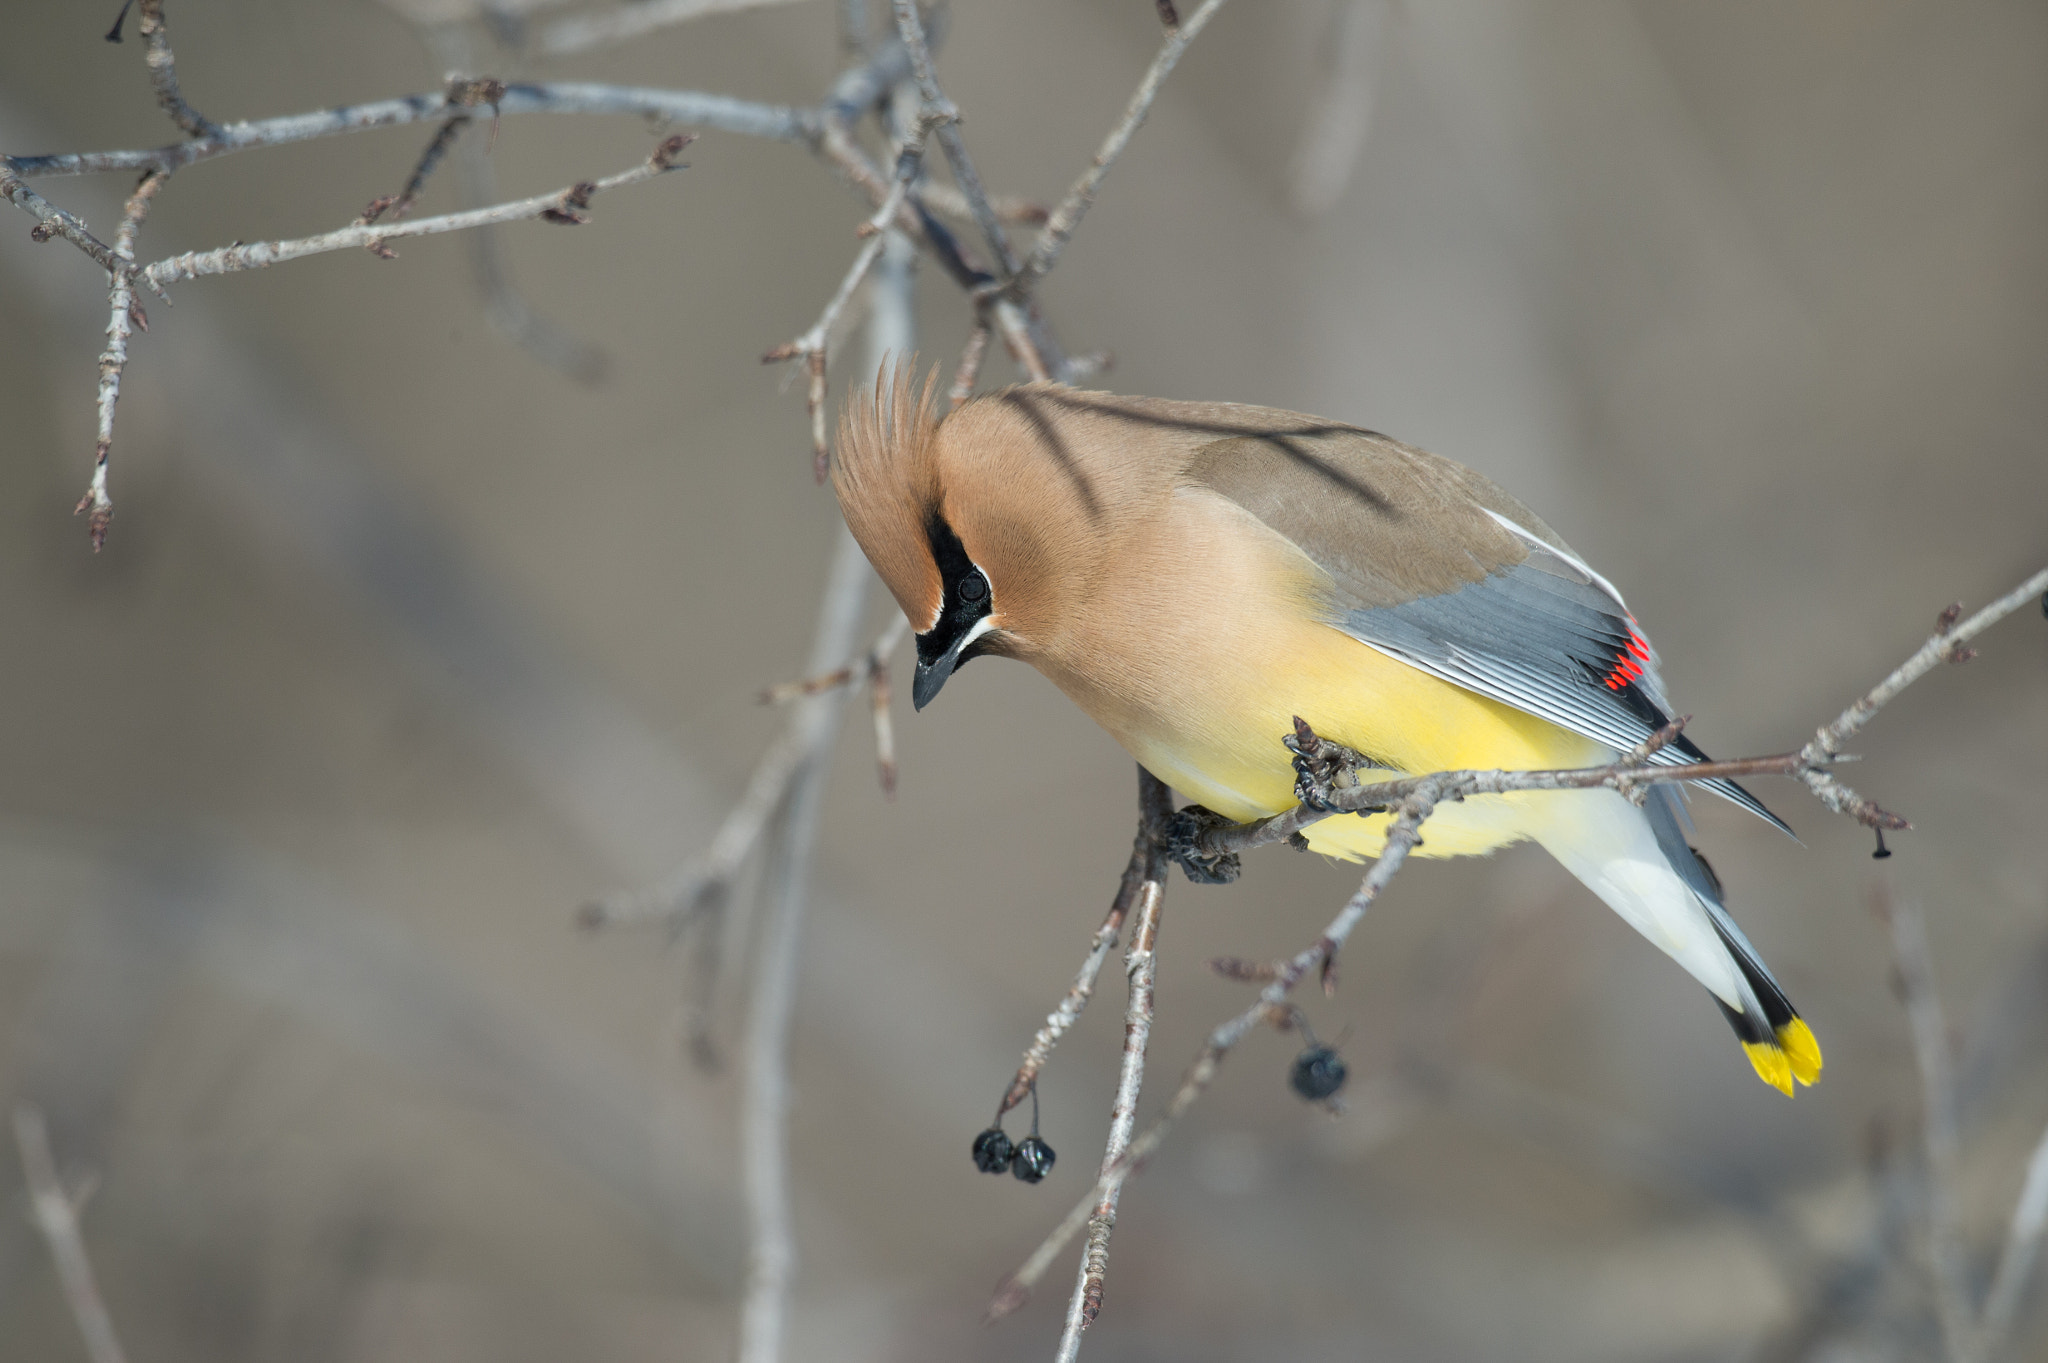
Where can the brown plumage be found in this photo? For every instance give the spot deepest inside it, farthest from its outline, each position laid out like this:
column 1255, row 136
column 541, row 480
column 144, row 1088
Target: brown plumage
column 1194, row 574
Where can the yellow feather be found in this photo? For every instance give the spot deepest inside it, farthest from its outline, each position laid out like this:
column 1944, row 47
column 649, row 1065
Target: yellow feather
column 1361, row 698
column 1772, row 1065
column 1802, row 1051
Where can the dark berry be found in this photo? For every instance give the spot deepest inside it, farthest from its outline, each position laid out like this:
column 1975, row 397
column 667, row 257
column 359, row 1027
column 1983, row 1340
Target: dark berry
column 1318, row 1073
column 992, row 1152
column 1033, row 1159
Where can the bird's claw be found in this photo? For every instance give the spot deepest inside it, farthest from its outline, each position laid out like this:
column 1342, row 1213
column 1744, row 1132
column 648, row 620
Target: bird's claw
column 1184, row 835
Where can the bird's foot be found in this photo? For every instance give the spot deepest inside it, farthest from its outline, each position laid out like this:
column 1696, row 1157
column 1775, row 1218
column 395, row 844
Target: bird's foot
column 1184, row 835
column 1321, row 767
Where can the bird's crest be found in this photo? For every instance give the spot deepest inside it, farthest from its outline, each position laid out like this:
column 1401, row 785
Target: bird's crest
column 885, row 471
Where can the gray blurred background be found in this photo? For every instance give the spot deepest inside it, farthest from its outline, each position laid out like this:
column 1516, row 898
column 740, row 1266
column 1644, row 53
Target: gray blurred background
column 404, row 644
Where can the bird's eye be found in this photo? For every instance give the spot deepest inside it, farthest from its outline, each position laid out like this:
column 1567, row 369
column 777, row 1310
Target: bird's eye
column 973, row 588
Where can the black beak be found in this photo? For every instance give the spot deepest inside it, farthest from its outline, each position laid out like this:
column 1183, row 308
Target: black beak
column 932, row 675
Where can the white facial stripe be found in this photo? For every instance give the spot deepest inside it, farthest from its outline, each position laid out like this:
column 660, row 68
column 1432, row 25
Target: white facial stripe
column 981, row 627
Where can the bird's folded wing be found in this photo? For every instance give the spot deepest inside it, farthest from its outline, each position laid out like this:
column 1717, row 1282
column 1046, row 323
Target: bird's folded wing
column 1434, row 565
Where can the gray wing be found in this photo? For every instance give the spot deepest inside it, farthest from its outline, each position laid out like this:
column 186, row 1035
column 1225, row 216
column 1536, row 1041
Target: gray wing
column 1434, row 565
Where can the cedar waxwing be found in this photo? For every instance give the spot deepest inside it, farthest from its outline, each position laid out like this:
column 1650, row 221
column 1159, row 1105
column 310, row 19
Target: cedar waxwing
column 1194, row 575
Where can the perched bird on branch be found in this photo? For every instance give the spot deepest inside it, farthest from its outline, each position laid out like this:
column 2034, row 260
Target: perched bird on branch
column 1194, row 575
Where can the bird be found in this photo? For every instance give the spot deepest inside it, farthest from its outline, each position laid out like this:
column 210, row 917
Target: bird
column 1194, row 575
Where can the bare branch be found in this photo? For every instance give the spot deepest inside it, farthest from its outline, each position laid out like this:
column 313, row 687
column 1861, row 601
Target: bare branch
column 771, row 1002
column 811, row 347
column 1403, row 836
column 910, row 26
column 1059, row 228
column 1939, row 1123
column 703, row 884
column 1147, row 866
column 124, row 315
column 401, row 203
column 782, row 693
column 505, row 307
column 1008, row 208
column 57, row 1218
column 1140, row 967
column 771, row 1258
column 582, row 32
column 1810, row 764
column 55, row 222
column 688, row 108
column 969, row 370
column 565, row 205
column 163, row 70
column 1944, row 646
column 874, row 667
column 2022, row 1247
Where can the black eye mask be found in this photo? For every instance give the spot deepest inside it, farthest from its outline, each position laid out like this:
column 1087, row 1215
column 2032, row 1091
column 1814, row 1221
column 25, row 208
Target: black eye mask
column 965, row 601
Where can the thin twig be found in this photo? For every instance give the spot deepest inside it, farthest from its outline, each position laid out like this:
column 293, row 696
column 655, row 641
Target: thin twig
column 124, row 314
column 1402, row 837
column 812, row 345
column 1809, row 764
column 969, row 370
column 1938, row 1124
column 1026, row 339
column 401, row 203
column 506, row 308
column 2016, row 1262
column 53, row 221
column 782, row 693
column 582, row 32
column 771, row 1001
column 163, row 70
column 687, row 108
column 57, row 1218
column 567, row 205
column 1146, row 866
column 874, row 667
column 1059, row 228
column 1946, row 645
column 771, row 1259
column 1140, row 968
column 703, row 884
column 910, row 26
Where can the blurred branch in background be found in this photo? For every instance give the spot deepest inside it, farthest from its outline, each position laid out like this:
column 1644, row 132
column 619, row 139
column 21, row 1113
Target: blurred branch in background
column 56, row 1213
column 1340, row 107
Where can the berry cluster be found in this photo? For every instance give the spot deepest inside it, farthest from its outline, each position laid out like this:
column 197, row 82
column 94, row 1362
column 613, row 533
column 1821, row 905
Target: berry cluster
column 1029, row 1159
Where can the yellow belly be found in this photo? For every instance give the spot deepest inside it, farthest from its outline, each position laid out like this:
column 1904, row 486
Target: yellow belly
column 1216, row 738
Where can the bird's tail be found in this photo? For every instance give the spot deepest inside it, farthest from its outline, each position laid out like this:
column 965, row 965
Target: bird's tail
column 1639, row 862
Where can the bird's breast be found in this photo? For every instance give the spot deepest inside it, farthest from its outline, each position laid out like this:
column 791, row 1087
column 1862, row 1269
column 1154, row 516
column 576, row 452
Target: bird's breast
column 1211, row 638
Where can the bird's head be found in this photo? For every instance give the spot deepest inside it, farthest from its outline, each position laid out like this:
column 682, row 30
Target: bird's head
column 979, row 540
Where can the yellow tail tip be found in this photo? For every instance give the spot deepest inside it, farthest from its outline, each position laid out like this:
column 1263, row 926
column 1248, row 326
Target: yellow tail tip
column 1792, row 1055
column 1771, row 1065
column 1801, row 1050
